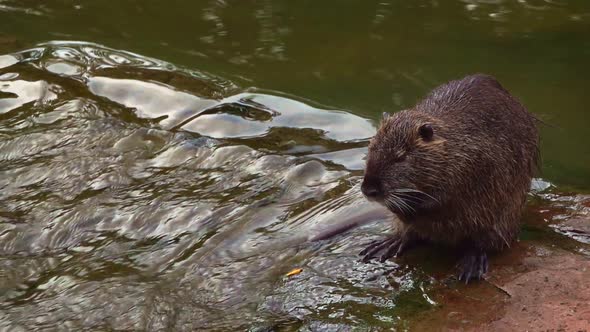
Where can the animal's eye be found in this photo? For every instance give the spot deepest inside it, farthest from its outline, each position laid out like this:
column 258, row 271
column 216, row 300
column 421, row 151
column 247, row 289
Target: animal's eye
column 426, row 132
column 400, row 157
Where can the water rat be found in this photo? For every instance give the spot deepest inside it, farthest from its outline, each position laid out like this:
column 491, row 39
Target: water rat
column 456, row 169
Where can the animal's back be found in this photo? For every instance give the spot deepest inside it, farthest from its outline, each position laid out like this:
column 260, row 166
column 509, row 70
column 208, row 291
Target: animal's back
column 478, row 105
column 494, row 139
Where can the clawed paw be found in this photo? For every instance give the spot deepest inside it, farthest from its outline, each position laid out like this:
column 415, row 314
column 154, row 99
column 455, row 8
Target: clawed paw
column 390, row 247
column 473, row 266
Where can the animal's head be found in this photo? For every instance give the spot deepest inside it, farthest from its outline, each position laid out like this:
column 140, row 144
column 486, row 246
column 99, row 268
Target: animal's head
column 405, row 163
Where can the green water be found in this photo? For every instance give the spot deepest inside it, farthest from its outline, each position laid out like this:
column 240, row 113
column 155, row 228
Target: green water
column 153, row 153
column 363, row 56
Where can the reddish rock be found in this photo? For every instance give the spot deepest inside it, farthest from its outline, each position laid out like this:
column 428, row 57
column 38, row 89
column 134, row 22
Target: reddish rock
column 553, row 296
column 530, row 288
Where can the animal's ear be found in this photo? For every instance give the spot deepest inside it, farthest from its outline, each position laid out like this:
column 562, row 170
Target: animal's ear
column 385, row 115
column 426, row 132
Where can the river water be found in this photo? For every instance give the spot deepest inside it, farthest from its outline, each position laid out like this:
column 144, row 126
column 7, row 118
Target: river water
column 164, row 166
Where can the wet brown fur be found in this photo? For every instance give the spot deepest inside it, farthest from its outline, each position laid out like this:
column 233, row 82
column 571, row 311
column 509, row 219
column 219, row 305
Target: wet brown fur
column 477, row 167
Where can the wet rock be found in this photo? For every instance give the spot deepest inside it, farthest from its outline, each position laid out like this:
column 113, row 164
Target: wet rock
column 553, row 295
column 531, row 288
column 577, row 228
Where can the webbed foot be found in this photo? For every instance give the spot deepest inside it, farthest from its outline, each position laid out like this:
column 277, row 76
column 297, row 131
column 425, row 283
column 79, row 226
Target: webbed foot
column 473, row 266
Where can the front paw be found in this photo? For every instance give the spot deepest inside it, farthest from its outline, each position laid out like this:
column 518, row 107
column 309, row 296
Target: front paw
column 473, row 266
column 391, row 246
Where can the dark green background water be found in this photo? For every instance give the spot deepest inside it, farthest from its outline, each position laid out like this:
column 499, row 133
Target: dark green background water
column 162, row 163
column 363, row 56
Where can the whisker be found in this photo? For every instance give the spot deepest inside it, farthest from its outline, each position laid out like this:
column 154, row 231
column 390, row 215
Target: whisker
column 407, row 205
column 415, row 199
column 408, row 190
column 395, row 203
column 404, row 206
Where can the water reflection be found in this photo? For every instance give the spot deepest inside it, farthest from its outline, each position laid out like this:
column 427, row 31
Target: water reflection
column 110, row 215
column 280, row 112
column 17, row 93
column 7, row 61
column 150, row 100
column 138, row 194
column 147, row 196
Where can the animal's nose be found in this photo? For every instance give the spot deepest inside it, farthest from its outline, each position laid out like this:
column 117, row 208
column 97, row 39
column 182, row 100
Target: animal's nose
column 371, row 187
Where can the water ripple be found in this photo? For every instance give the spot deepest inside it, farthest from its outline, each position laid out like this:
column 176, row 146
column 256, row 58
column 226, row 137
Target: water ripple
column 138, row 195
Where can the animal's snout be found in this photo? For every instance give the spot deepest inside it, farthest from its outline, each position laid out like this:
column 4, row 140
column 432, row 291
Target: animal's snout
column 371, row 187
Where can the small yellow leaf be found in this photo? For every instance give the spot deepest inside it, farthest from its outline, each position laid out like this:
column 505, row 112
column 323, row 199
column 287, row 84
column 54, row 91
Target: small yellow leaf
column 294, row 272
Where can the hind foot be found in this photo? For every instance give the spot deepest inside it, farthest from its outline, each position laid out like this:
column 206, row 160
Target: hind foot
column 473, row 266
column 391, row 246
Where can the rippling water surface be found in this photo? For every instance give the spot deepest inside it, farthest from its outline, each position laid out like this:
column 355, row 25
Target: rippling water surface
column 138, row 193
